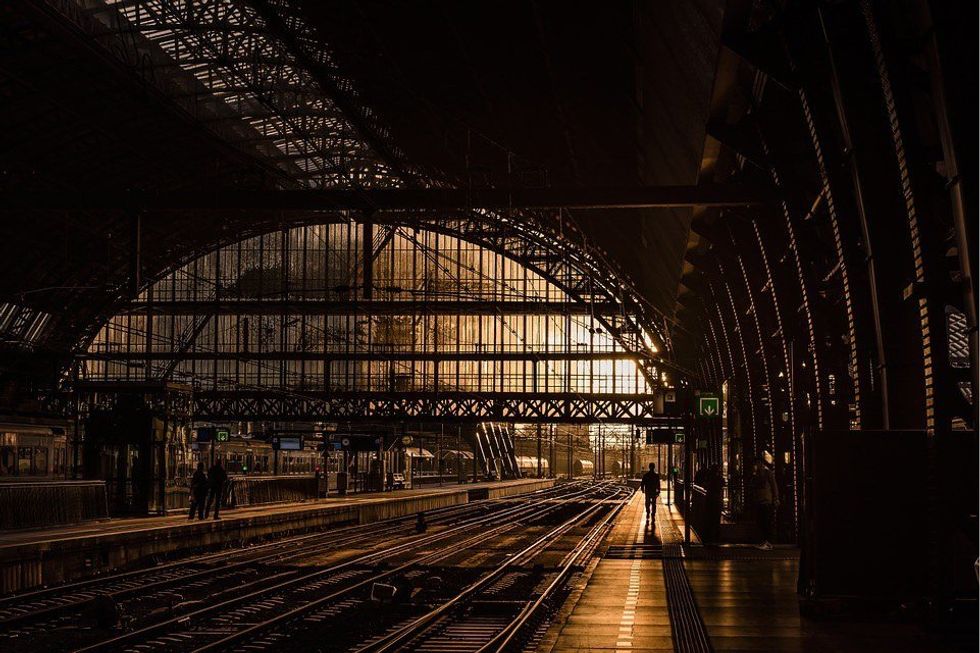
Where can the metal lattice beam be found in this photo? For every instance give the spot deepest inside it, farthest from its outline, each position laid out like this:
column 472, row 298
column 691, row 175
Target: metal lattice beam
column 341, row 356
column 444, row 407
column 397, row 199
column 364, row 307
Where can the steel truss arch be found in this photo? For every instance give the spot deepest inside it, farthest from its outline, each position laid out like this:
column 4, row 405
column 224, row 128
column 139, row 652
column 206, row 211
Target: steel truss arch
column 590, row 281
column 561, row 270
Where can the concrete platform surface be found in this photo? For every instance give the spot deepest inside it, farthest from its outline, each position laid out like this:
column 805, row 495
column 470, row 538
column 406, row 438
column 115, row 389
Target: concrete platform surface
column 746, row 600
column 624, row 604
column 33, row 557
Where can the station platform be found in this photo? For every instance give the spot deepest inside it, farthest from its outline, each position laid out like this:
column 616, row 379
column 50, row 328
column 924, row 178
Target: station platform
column 648, row 591
column 34, row 557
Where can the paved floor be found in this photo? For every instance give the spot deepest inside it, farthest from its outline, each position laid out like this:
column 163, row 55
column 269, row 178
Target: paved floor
column 746, row 599
column 751, row 605
column 116, row 526
column 624, row 606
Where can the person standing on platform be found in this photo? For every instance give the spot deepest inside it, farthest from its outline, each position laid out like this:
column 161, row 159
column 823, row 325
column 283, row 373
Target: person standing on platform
column 765, row 496
column 650, row 485
column 216, row 485
column 714, row 490
column 199, row 492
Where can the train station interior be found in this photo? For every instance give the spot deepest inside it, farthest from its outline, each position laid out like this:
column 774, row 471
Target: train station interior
column 546, row 326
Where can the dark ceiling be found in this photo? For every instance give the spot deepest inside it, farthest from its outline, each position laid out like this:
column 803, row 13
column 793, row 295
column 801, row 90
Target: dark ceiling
column 559, row 92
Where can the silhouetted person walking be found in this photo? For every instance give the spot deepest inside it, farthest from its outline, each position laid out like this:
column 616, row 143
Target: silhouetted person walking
column 216, row 485
column 765, row 497
column 650, row 485
column 199, row 492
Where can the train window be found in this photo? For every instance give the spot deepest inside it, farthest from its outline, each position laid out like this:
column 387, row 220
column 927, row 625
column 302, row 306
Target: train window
column 8, row 465
column 40, row 460
column 25, row 456
column 59, row 461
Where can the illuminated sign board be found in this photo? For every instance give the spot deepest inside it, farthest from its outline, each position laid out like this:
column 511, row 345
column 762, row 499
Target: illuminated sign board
column 708, row 406
column 213, row 434
column 284, row 443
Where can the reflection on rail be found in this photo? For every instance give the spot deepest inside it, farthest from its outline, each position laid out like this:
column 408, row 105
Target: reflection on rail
column 396, row 585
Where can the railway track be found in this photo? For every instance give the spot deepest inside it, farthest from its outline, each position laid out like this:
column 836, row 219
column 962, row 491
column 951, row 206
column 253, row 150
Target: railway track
column 249, row 615
column 306, row 623
column 25, row 616
column 33, row 606
column 464, row 624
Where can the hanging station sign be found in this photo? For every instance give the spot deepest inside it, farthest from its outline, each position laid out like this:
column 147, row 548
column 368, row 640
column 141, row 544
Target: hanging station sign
column 709, row 406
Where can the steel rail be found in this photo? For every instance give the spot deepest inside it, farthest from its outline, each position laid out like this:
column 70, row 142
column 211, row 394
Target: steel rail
column 420, row 625
column 295, row 582
column 437, row 556
column 279, row 550
column 588, row 543
column 133, row 585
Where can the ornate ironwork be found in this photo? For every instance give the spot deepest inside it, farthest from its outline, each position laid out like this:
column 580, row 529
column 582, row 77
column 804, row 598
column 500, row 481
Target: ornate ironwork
column 441, row 407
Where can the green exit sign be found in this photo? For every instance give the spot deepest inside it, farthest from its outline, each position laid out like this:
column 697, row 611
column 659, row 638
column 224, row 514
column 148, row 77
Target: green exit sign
column 709, row 406
column 221, row 435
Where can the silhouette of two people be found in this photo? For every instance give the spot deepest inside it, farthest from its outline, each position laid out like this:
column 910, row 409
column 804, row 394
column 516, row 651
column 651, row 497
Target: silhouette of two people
column 207, row 490
column 199, row 492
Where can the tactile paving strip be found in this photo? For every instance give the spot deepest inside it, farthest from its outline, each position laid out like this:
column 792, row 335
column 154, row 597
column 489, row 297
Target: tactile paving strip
column 635, row 552
column 739, row 553
column 689, row 631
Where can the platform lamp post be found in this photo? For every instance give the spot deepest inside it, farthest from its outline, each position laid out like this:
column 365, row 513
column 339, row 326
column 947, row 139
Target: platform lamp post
column 439, row 466
column 634, row 434
column 551, row 449
column 76, row 396
column 539, row 448
column 476, row 450
column 328, row 445
column 570, row 456
column 459, row 454
column 688, row 466
column 595, row 458
column 421, row 459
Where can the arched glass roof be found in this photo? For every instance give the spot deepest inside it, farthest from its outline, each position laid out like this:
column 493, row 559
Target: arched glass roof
column 297, row 309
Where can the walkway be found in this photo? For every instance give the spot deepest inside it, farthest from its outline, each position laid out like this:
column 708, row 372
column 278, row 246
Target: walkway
column 133, row 524
column 29, row 558
column 647, row 592
column 624, row 605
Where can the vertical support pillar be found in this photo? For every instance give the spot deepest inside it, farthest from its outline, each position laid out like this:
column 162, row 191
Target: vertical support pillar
column 551, row 448
column 571, row 457
column 367, row 244
column 159, row 457
column 539, row 450
column 439, row 465
column 78, row 423
column 459, row 454
column 136, row 253
column 688, row 471
column 476, row 455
